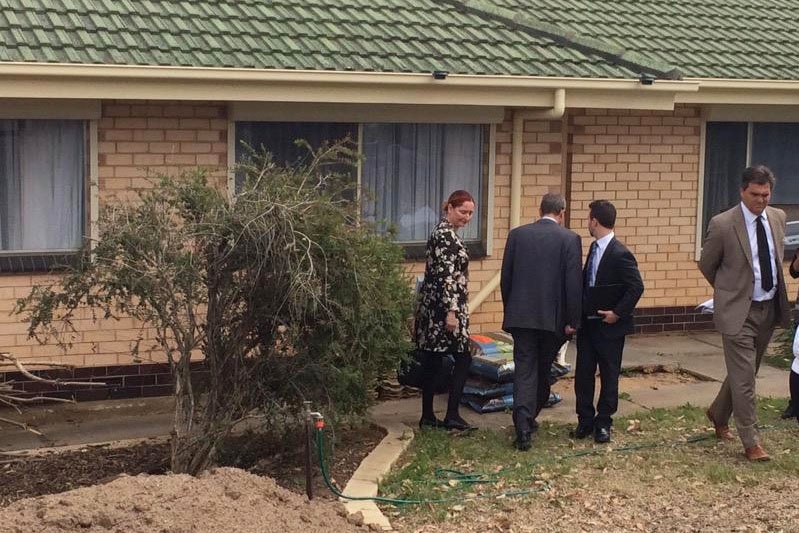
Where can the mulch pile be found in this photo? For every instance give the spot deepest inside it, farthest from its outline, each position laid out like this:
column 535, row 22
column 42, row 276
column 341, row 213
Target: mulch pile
column 222, row 500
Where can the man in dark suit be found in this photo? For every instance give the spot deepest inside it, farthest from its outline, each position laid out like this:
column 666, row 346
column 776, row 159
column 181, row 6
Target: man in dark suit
column 541, row 295
column 610, row 279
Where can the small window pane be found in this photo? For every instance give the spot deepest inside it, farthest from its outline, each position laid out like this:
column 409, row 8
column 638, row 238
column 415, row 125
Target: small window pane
column 410, row 169
column 777, row 147
column 725, row 160
column 279, row 138
column 42, row 167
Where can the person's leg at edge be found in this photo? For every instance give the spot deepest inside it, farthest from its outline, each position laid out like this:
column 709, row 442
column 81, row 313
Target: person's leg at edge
column 525, row 382
column 609, row 362
column 585, row 383
column 793, row 383
column 431, row 366
column 453, row 420
column 550, row 344
column 740, row 358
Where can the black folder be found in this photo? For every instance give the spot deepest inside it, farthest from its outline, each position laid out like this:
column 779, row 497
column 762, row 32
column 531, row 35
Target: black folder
column 604, row 297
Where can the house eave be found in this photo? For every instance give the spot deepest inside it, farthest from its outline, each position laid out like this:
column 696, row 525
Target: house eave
column 132, row 82
column 742, row 92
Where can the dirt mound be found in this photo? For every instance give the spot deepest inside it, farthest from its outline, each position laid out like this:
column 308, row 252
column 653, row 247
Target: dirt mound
column 223, row 500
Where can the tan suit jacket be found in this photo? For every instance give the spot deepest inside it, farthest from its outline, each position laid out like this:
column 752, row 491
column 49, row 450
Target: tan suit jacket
column 726, row 263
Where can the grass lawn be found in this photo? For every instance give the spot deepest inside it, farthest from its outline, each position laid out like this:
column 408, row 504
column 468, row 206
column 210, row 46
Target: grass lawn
column 657, row 459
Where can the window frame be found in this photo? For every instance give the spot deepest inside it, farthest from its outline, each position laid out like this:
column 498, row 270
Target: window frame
column 414, row 250
column 48, row 260
column 732, row 113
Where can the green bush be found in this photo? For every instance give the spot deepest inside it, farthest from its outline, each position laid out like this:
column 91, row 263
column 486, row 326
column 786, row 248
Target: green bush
column 284, row 291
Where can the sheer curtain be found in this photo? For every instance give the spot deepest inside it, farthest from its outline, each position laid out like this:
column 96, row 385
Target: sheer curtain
column 410, row 169
column 42, row 167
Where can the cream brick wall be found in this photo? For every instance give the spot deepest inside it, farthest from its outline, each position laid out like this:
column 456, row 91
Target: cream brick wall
column 647, row 164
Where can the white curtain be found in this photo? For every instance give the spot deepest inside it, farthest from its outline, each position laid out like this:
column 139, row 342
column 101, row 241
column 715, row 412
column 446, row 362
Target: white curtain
column 42, row 164
column 410, row 169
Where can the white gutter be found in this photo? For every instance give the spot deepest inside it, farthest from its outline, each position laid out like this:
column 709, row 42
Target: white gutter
column 519, row 117
column 69, row 70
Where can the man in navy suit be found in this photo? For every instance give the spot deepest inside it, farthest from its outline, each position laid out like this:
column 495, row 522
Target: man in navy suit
column 541, row 297
column 610, row 269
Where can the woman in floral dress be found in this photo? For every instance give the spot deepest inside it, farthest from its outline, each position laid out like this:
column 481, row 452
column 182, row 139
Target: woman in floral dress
column 442, row 316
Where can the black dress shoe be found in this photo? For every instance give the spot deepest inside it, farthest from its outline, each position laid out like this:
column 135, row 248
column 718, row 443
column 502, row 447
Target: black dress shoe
column 434, row 422
column 790, row 412
column 524, row 441
column 582, row 431
column 602, row 435
column 458, row 424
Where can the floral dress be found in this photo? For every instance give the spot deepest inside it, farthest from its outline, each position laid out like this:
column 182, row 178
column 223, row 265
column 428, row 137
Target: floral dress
column 445, row 288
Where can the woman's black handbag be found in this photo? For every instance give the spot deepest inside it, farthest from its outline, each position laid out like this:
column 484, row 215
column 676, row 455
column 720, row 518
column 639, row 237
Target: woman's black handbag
column 411, row 374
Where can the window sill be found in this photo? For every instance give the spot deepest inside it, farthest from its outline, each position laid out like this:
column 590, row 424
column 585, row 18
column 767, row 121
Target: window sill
column 36, row 261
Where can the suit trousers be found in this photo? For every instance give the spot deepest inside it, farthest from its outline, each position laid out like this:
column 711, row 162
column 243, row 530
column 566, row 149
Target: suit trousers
column 594, row 351
column 534, row 350
column 742, row 355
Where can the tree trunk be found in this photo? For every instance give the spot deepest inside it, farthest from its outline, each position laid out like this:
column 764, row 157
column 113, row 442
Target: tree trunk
column 190, row 448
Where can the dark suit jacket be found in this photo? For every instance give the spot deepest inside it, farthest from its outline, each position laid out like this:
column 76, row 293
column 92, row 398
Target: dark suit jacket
column 618, row 266
column 541, row 281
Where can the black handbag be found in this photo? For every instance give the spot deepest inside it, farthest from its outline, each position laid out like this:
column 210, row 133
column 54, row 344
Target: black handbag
column 411, row 373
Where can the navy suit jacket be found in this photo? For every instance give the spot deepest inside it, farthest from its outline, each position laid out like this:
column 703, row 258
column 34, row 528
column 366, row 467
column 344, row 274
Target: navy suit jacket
column 618, row 266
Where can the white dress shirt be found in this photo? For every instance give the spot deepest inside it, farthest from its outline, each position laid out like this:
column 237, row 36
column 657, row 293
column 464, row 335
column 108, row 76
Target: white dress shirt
column 758, row 294
column 601, row 246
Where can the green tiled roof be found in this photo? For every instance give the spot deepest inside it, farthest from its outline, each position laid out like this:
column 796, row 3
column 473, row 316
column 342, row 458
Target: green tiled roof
column 745, row 39
column 741, row 39
column 343, row 35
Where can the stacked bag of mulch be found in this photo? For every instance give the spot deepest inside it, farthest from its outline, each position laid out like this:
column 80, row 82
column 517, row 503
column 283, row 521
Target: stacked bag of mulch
column 490, row 388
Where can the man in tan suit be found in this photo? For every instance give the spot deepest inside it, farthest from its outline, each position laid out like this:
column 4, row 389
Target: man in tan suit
column 742, row 260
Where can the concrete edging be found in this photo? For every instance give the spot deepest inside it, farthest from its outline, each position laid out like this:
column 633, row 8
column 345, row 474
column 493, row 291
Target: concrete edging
column 364, row 482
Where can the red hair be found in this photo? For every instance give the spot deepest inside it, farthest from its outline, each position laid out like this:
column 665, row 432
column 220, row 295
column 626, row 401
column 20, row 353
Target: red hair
column 457, row 199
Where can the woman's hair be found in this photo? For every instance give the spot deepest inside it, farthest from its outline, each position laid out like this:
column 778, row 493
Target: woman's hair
column 457, row 199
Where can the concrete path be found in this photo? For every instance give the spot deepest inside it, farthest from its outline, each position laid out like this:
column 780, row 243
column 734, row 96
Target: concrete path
column 88, row 422
column 699, row 354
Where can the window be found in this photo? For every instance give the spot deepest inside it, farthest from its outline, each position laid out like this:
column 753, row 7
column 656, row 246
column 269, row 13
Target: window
column 278, row 139
column 732, row 146
column 408, row 170
column 42, row 193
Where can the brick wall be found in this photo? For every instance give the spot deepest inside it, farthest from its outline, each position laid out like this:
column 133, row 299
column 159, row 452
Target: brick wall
column 647, row 164
column 139, row 140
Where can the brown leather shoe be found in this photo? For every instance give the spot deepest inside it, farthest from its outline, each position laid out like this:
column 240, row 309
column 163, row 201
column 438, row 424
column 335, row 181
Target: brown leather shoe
column 757, row 453
column 722, row 430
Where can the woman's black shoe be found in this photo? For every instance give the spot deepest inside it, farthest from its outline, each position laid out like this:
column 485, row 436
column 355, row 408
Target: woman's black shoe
column 458, row 424
column 430, row 423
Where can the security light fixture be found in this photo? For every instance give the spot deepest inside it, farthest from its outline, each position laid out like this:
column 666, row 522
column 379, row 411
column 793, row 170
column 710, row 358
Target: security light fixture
column 647, row 79
column 440, row 74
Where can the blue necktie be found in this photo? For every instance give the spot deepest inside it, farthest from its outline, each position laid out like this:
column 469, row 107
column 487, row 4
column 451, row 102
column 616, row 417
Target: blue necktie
column 589, row 271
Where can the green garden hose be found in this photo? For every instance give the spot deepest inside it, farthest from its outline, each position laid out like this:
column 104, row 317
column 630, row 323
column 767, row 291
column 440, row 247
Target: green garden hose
column 444, row 475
